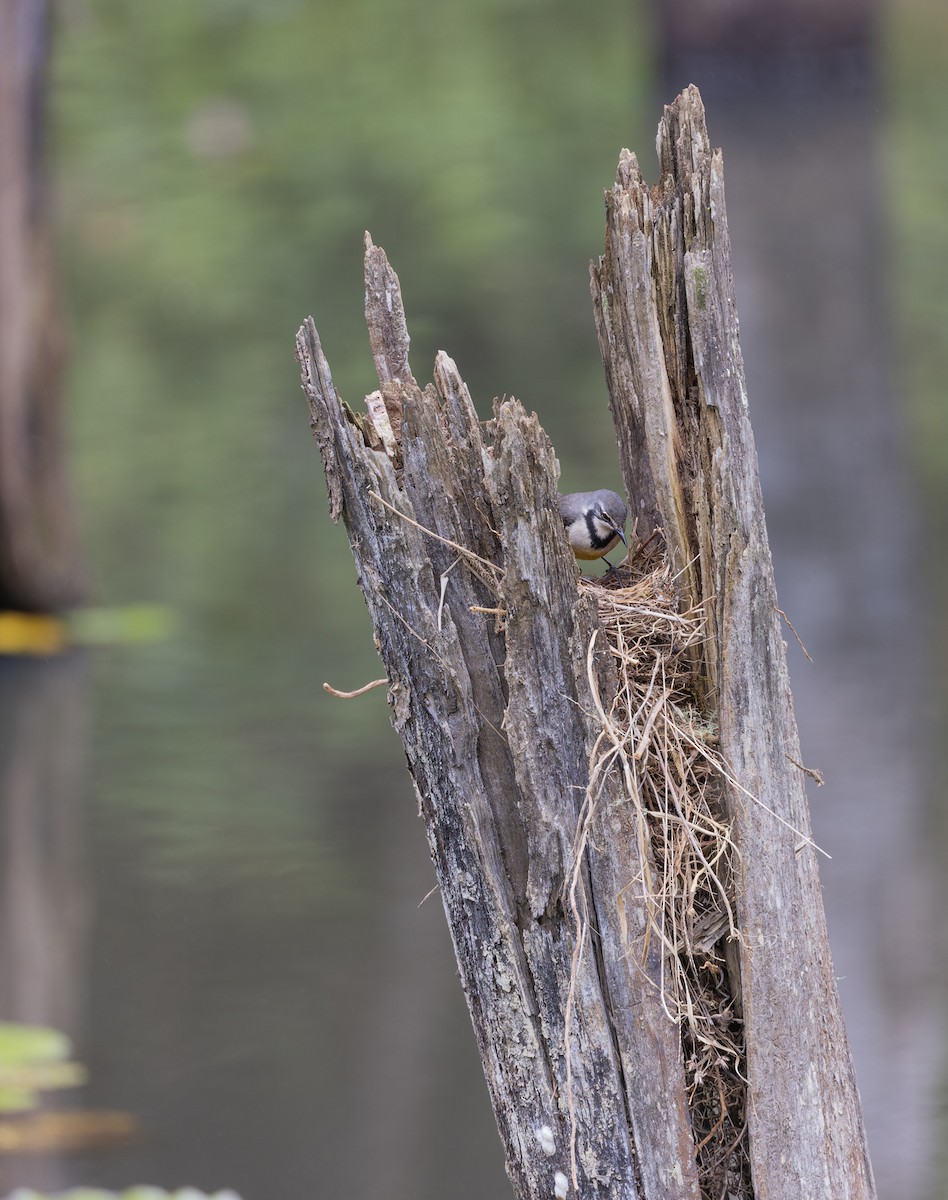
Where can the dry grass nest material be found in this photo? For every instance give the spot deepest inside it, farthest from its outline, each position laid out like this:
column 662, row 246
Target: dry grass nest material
column 658, row 734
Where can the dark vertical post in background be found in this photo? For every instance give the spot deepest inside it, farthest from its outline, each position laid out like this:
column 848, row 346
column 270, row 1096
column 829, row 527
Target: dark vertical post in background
column 794, row 93
column 779, row 49
column 39, row 558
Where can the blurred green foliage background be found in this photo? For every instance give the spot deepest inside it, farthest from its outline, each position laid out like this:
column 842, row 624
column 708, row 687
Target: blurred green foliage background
column 217, row 166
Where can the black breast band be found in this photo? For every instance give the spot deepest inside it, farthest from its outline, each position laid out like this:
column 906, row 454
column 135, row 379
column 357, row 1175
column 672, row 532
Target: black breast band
column 597, row 542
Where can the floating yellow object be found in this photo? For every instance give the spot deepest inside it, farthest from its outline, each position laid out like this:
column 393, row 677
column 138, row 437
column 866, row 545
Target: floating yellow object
column 41, row 634
column 31, row 633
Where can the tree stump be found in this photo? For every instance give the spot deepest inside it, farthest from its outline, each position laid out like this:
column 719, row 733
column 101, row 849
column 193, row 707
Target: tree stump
column 547, row 822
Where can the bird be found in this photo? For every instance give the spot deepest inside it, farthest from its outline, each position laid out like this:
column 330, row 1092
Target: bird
column 594, row 522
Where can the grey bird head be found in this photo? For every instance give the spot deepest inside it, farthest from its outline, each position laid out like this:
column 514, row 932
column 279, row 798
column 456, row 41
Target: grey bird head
column 594, row 521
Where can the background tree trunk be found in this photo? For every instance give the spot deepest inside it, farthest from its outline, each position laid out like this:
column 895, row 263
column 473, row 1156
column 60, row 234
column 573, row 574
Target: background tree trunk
column 786, row 47
column 472, row 591
column 39, row 559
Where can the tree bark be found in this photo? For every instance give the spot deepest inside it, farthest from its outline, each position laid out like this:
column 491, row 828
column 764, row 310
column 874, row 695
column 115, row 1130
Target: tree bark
column 39, row 557
column 668, row 332
column 485, row 638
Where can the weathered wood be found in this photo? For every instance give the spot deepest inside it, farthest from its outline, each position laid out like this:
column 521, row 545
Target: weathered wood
column 687, row 449
column 495, row 721
column 485, row 638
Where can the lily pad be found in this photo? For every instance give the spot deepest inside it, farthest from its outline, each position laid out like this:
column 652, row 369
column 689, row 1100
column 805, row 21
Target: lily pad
column 31, row 1044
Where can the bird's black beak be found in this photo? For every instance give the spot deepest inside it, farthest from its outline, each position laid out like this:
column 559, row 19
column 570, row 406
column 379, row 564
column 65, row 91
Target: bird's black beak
column 615, row 529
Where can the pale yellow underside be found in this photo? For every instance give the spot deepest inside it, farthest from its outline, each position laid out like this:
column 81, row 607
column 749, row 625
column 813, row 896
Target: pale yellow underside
column 582, row 549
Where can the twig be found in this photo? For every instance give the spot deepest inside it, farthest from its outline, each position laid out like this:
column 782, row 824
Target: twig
column 814, row 774
column 795, row 634
column 444, row 588
column 366, row 687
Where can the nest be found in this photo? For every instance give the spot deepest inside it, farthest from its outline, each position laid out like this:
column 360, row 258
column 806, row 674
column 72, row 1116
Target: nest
column 659, row 734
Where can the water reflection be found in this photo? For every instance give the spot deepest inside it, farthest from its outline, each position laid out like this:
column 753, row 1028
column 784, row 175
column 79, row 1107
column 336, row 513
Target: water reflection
column 262, row 989
column 46, row 893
